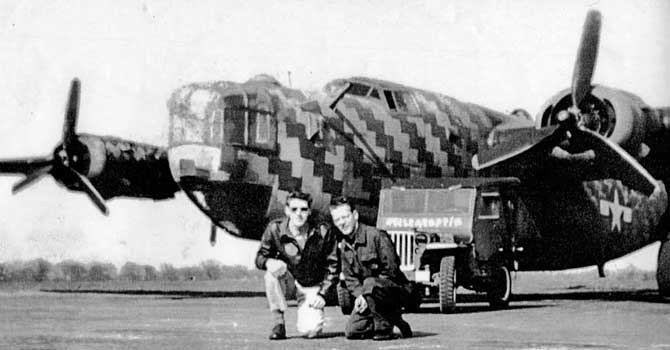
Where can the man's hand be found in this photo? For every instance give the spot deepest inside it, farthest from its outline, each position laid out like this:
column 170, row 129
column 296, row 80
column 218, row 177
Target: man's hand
column 316, row 301
column 360, row 305
column 275, row 267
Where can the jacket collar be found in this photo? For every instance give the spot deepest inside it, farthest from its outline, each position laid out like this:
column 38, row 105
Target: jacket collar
column 284, row 230
column 359, row 233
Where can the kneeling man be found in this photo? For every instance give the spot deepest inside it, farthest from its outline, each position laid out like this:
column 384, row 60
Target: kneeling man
column 293, row 251
column 371, row 269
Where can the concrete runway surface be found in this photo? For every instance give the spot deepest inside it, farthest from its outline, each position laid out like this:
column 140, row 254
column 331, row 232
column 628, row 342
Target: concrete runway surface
column 570, row 320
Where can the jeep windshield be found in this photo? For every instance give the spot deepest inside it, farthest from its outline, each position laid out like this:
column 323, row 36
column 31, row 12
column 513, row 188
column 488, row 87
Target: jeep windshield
column 426, row 209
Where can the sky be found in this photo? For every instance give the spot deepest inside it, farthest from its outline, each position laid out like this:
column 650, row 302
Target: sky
column 130, row 55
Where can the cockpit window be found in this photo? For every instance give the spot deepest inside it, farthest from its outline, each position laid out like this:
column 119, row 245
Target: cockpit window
column 400, row 102
column 389, row 99
column 374, row 93
column 359, row 89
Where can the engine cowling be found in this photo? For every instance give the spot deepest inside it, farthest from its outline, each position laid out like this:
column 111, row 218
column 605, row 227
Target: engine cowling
column 618, row 115
column 123, row 168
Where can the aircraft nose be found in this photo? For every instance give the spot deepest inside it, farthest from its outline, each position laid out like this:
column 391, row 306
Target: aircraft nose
column 196, row 160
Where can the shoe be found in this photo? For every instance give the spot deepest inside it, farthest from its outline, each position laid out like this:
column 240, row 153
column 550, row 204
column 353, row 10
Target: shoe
column 314, row 334
column 405, row 329
column 278, row 332
column 385, row 336
column 359, row 336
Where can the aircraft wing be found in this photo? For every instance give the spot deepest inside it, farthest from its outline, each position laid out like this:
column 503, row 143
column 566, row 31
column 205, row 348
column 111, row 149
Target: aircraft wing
column 562, row 152
column 568, row 150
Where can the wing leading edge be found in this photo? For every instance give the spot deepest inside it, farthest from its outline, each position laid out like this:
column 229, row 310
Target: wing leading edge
column 575, row 152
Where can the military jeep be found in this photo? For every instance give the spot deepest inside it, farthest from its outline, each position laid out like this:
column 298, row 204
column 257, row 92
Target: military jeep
column 453, row 232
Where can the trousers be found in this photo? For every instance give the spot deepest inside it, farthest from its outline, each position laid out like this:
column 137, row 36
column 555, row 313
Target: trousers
column 384, row 309
column 285, row 287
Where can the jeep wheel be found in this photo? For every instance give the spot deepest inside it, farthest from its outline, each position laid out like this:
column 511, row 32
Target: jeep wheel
column 447, row 285
column 500, row 288
column 345, row 299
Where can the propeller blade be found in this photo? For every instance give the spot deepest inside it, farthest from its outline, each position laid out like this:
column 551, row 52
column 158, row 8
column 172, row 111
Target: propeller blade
column 586, row 58
column 31, row 178
column 71, row 114
column 24, row 165
column 614, row 162
column 90, row 190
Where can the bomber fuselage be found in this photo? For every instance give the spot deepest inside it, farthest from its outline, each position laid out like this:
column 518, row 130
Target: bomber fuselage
column 239, row 149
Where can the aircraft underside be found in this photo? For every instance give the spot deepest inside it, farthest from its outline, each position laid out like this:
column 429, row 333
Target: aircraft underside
column 586, row 223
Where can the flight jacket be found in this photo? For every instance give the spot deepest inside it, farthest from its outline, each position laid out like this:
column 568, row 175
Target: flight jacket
column 370, row 253
column 307, row 265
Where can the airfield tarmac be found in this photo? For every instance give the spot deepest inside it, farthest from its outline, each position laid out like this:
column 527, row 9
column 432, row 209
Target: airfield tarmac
column 567, row 320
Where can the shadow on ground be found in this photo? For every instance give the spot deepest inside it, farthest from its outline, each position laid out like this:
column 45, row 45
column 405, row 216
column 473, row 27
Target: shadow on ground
column 175, row 294
column 324, row 335
column 327, row 335
column 643, row 295
column 474, row 303
column 464, row 308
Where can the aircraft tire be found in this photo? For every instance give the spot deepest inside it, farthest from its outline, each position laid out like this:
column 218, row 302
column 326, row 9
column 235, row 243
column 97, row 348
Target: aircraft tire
column 501, row 288
column 447, row 285
column 663, row 269
column 345, row 299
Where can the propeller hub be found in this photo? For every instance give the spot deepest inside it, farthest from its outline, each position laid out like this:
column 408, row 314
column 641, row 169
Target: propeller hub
column 63, row 157
column 568, row 118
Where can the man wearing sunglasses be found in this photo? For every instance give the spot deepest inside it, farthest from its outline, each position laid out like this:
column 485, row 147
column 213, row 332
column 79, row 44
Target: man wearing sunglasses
column 293, row 250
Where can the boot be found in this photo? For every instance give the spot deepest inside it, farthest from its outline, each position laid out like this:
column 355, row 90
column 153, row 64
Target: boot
column 278, row 332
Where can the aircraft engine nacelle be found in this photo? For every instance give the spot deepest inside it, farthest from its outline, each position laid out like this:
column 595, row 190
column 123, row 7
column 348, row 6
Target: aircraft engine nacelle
column 118, row 167
column 618, row 115
column 100, row 166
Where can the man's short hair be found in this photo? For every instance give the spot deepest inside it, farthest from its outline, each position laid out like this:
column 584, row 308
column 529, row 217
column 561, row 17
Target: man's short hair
column 299, row 195
column 341, row 200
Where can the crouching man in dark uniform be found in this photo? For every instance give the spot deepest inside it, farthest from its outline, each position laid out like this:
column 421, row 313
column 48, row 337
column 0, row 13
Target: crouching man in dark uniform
column 293, row 250
column 371, row 270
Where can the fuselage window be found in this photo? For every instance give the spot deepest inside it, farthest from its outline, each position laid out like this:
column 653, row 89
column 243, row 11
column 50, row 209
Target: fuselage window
column 389, row 99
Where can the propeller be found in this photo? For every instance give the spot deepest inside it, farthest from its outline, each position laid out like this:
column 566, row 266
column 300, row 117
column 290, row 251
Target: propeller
column 66, row 158
column 572, row 133
column 586, row 58
column 518, row 139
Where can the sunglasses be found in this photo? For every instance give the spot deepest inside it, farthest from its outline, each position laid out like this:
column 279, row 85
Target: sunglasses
column 301, row 209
